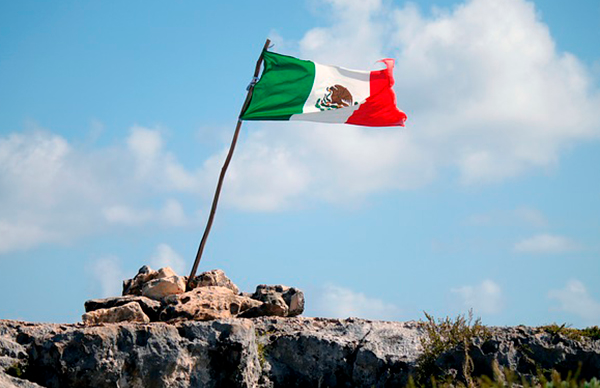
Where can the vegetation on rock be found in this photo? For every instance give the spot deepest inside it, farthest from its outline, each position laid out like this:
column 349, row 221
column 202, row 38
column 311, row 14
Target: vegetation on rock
column 443, row 335
column 458, row 336
column 592, row 332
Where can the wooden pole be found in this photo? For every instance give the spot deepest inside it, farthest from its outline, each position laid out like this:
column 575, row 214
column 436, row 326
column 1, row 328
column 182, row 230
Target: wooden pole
column 215, row 202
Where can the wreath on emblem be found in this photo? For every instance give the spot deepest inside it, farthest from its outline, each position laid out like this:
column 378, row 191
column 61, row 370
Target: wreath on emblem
column 335, row 97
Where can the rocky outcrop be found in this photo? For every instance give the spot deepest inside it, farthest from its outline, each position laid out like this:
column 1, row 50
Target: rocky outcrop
column 278, row 301
column 150, row 307
column 153, row 296
column 217, row 278
column 157, row 334
column 267, row 352
column 260, row 352
column 206, row 303
column 130, row 312
column 525, row 351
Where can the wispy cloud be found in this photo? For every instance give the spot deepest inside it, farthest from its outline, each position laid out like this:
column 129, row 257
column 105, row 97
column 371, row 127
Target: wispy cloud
column 531, row 217
column 485, row 297
column 165, row 256
column 48, row 189
column 479, row 108
column 107, row 276
column 171, row 214
column 490, row 125
column 546, row 244
column 520, row 216
column 339, row 302
column 575, row 299
column 53, row 192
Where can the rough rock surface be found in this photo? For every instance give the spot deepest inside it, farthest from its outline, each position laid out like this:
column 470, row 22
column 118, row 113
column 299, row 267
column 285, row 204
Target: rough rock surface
column 280, row 301
column 206, row 303
column 130, row 312
column 265, row 352
column 134, row 286
column 162, row 296
column 526, row 351
column 216, row 277
column 150, row 307
column 7, row 381
column 162, row 287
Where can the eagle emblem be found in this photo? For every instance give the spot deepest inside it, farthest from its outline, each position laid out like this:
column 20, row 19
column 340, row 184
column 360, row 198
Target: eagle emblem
column 336, row 96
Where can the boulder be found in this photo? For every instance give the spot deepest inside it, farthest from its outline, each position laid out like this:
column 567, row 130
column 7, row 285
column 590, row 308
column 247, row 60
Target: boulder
column 189, row 354
column 162, row 296
column 216, row 277
column 131, row 312
column 165, row 272
column 150, row 307
column 206, row 303
column 160, row 288
column 280, row 300
column 134, row 286
column 7, row 381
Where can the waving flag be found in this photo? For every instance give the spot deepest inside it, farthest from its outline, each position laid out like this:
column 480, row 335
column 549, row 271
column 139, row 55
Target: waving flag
column 295, row 89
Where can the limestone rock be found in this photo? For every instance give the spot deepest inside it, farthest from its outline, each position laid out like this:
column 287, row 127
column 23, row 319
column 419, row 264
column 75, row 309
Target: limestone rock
column 7, row 381
column 192, row 354
column 206, row 303
column 216, row 277
column 312, row 352
column 160, row 288
column 131, row 312
column 279, row 300
column 134, row 286
column 165, row 272
column 150, row 307
column 269, row 352
column 156, row 293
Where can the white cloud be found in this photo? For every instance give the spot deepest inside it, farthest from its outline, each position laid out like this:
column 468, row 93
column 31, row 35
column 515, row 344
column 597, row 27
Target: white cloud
column 146, row 146
column 53, row 192
column 263, row 175
column 517, row 217
column 339, row 302
column 485, row 298
column 107, row 275
column 545, row 243
column 165, row 256
column 531, row 216
column 485, row 89
column 120, row 214
column 491, row 88
column 46, row 189
column 575, row 299
column 15, row 236
column 171, row 214
column 157, row 166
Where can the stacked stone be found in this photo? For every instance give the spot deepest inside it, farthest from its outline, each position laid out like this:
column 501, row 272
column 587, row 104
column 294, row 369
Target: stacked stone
column 161, row 296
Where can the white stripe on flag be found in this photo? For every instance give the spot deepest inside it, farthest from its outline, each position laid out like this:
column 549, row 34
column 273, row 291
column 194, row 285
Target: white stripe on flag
column 357, row 83
column 327, row 116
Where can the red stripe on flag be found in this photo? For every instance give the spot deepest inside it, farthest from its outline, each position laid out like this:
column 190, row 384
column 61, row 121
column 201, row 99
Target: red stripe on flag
column 379, row 109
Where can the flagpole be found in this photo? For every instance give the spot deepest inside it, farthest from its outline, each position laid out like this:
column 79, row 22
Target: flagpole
column 215, row 202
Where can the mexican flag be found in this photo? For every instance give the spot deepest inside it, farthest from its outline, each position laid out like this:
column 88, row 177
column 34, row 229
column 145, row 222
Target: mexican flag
column 295, row 89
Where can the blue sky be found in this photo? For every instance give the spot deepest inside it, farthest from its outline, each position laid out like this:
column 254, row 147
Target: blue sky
column 115, row 120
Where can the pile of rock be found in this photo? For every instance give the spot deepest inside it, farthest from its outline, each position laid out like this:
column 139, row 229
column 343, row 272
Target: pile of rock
column 153, row 296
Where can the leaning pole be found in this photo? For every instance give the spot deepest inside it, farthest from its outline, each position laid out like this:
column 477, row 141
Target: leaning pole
column 215, row 201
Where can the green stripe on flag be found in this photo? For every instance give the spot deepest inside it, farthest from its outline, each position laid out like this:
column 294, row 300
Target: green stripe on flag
column 283, row 88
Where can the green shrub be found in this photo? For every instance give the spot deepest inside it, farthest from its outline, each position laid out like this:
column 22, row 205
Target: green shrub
column 445, row 334
column 592, row 332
